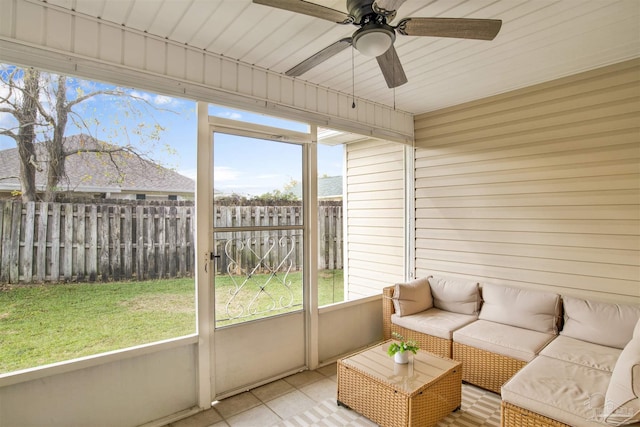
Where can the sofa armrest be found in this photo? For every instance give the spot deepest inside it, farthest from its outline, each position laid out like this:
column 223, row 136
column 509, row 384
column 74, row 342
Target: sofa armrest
column 387, row 310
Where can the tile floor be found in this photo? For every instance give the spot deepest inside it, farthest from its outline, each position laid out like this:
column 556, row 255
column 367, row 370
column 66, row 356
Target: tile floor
column 270, row 404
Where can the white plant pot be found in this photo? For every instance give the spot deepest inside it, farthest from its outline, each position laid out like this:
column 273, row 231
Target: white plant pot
column 401, row 357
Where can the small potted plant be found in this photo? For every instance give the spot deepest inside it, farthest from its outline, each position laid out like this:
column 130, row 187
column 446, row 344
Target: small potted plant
column 400, row 350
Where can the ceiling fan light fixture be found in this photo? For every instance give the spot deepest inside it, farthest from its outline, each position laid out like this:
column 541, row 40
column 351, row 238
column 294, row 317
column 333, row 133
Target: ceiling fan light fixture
column 373, row 40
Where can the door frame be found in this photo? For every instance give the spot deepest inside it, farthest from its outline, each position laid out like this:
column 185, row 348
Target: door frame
column 207, row 125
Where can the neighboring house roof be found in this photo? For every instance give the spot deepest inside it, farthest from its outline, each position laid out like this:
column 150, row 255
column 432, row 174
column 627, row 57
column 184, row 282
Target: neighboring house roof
column 96, row 172
column 328, row 187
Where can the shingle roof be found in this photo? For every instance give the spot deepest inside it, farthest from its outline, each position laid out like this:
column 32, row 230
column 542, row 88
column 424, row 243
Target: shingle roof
column 95, row 172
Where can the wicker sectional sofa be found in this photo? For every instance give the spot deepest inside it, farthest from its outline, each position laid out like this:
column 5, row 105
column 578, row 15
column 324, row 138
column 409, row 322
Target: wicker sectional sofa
column 556, row 360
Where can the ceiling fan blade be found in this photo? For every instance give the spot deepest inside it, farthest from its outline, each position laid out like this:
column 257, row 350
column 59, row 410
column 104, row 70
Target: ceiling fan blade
column 392, row 68
column 319, row 57
column 308, row 8
column 387, row 8
column 480, row 29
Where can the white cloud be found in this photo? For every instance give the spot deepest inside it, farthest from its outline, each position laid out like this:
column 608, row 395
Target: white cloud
column 162, row 100
column 225, row 174
column 153, row 99
column 229, row 115
column 229, row 180
column 7, row 121
column 189, row 173
column 141, row 95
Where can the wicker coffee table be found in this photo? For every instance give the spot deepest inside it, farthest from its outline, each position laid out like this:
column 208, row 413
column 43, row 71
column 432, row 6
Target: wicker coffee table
column 417, row 394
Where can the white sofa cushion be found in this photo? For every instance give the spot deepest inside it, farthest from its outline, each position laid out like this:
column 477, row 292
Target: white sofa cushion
column 456, row 295
column 567, row 392
column 599, row 322
column 583, row 353
column 510, row 341
column 436, row 322
column 535, row 310
column 622, row 404
column 412, row 297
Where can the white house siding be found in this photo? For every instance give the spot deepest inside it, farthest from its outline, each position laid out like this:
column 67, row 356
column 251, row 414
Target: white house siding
column 538, row 187
column 42, row 35
column 375, row 216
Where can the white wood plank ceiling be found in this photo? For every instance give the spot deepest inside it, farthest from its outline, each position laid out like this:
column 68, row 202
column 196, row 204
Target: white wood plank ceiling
column 539, row 41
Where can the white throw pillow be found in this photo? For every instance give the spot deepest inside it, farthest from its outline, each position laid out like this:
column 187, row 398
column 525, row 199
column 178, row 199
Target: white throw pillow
column 524, row 308
column 412, row 297
column 455, row 295
column 599, row 322
column 622, row 401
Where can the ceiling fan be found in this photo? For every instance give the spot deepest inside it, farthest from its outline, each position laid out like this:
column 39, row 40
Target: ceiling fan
column 375, row 36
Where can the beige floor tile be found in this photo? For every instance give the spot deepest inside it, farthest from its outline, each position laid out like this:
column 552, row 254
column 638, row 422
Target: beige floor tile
column 329, row 370
column 272, row 390
column 236, row 404
column 303, row 378
column 256, row 417
column 298, row 408
column 291, row 404
column 321, row 390
column 201, row 419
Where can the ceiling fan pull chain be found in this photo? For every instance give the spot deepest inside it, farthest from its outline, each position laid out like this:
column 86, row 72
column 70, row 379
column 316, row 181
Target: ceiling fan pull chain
column 353, row 79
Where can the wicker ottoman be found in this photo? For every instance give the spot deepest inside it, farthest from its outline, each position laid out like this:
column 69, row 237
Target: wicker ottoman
column 417, row 394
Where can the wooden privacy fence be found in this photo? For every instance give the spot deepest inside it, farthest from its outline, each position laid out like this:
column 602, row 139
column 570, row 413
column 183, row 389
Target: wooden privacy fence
column 61, row 242
column 241, row 251
column 56, row 242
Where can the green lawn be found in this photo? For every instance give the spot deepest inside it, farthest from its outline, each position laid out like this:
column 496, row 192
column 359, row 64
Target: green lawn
column 43, row 324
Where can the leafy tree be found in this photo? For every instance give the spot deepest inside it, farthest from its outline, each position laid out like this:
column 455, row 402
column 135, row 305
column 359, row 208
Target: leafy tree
column 19, row 100
column 43, row 104
column 277, row 196
column 287, row 194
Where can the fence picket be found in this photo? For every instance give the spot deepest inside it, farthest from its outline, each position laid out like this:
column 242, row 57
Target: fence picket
column 41, row 246
column 161, row 265
column 151, row 250
column 68, row 242
column 92, row 267
column 3, row 238
column 140, row 272
column 103, row 242
column 5, row 261
column 80, row 241
column 127, row 242
column 182, row 242
column 114, row 234
column 27, row 251
column 14, row 254
column 55, row 242
column 172, row 230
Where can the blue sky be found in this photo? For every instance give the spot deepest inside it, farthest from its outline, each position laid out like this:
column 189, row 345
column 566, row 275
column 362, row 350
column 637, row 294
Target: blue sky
column 241, row 166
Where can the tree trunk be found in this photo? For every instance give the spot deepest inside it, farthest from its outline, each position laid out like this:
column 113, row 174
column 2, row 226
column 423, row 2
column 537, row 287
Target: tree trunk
column 55, row 148
column 27, row 136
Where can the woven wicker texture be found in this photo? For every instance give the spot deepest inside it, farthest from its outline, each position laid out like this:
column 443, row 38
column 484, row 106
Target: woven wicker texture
column 390, row 405
column 485, row 369
column 480, row 408
column 514, row 416
column 430, row 343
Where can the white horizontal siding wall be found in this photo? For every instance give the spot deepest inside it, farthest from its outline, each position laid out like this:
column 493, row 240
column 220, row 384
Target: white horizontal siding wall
column 375, row 216
column 538, row 188
column 45, row 36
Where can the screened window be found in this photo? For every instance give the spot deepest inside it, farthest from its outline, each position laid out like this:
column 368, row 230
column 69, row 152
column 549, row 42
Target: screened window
column 88, row 265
